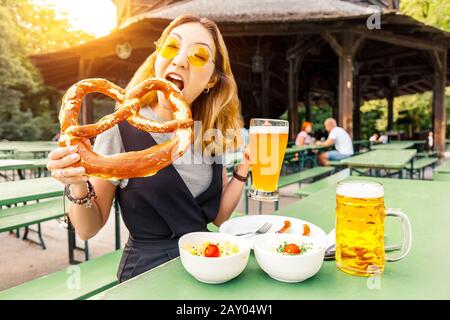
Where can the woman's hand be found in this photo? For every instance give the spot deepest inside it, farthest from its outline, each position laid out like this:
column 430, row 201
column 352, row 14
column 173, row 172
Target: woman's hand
column 60, row 165
column 246, row 159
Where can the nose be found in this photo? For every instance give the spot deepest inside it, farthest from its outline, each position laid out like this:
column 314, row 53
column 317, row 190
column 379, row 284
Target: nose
column 180, row 60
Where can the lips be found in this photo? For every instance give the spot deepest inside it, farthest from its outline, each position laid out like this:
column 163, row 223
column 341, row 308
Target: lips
column 176, row 79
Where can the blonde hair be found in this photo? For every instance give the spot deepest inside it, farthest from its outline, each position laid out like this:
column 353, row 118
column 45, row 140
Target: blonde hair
column 217, row 109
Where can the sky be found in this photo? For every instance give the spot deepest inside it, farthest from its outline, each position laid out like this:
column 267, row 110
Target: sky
column 96, row 17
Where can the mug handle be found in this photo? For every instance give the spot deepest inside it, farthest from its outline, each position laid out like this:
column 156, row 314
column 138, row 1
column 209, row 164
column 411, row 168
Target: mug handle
column 407, row 233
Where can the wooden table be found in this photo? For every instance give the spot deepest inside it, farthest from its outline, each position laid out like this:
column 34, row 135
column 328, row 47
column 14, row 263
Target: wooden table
column 442, row 172
column 20, row 165
column 302, row 152
column 388, row 160
column 423, row 274
column 396, row 145
column 28, row 190
column 20, row 191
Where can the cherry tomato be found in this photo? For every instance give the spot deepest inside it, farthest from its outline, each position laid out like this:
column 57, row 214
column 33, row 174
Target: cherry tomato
column 292, row 249
column 212, row 251
column 306, row 230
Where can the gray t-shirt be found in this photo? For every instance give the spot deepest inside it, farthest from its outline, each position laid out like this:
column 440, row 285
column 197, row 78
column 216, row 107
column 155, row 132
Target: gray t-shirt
column 195, row 172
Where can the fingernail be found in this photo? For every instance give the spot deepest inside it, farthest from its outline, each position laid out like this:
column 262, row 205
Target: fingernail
column 73, row 149
column 74, row 156
column 80, row 169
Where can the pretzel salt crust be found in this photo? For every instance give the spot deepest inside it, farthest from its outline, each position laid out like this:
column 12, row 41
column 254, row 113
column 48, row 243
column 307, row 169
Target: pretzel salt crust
column 133, row 164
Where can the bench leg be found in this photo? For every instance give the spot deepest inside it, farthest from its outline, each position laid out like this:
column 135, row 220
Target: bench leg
column 40, row 237
column 25, row 234
column 39, row 233
column 260, row 207
column 71, row 242
column 86, row 250
column 277, row 205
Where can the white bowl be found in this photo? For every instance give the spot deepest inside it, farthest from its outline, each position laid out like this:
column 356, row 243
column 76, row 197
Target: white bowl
column 213, row 270
column 289, row 268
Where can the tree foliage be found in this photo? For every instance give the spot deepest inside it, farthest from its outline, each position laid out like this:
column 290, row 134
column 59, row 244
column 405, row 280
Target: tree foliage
column 28, row 108
column 432, row 12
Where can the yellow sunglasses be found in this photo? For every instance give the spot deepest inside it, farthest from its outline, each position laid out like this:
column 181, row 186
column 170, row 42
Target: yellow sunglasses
column 198, row 54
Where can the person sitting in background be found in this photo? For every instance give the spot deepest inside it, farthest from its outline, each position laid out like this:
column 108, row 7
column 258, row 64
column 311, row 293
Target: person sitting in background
column 430, row 141
column 304, row 137
column 341, row 140
column 375, row 137
column 383, row 138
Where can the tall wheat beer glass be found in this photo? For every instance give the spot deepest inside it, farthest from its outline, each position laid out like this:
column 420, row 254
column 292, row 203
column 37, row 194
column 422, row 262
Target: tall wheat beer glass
column 268, row 141
column 360, row 214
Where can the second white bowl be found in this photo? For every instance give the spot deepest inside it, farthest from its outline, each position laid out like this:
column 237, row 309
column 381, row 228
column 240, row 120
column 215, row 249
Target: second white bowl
column 289, row 268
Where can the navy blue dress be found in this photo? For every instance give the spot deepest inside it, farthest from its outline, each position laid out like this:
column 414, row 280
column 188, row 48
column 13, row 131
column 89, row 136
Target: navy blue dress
column 158, row 210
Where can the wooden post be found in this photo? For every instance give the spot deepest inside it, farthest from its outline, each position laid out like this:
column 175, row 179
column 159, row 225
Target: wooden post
column 307, row 106
column 346, row 84
column 357, row 110
column 345, row 50
column 390, row 101
column 87, row 108
column 439, row 117
column 293, row 97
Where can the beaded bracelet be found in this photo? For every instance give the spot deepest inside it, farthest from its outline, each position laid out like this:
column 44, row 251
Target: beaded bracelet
column 85, row 200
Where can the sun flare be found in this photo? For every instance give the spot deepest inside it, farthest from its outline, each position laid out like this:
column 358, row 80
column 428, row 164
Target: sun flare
column 96, row 17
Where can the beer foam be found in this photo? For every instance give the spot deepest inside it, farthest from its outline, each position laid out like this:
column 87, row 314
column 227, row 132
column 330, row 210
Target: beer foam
column 269, row 129
column 360, row 189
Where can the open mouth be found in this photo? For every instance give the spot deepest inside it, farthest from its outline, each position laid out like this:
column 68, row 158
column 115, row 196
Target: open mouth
column 176, row 80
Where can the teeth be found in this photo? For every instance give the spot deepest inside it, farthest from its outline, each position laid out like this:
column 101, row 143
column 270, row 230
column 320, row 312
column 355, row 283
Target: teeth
column 175, row 77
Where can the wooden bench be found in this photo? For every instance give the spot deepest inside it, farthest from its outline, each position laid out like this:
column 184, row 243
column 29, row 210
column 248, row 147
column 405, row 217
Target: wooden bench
column 426, row 154
column 323, row 183
column 297, row 177
column 75, row 282
column 33, row 214
column 420, row 165
column 441, row 176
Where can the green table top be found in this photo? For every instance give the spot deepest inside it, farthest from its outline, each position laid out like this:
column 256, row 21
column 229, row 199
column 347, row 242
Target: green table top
column 304, row 148
column 394, row 145
column 14, row 164
column 423, row 274
column 28, row 190
column 381, row 159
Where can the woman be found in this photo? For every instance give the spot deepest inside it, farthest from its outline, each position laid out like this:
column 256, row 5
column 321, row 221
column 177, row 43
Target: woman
column 187, row 195
column 304, row 137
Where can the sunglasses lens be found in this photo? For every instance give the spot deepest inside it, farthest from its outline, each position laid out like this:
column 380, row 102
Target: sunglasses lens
column 198, row 55
column 170, row 48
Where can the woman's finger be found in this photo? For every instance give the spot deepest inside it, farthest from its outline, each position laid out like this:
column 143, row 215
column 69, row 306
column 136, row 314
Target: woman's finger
column 74, row 180
column 64, row 162
column 67, row 172
column 61, row 152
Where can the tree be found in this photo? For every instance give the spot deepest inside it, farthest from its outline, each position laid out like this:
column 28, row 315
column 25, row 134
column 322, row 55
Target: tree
column 27, row 106
column 432, row 12
column 42, row 30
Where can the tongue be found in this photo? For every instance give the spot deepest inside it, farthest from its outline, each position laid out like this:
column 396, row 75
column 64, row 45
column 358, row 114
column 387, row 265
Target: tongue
column 178, row 83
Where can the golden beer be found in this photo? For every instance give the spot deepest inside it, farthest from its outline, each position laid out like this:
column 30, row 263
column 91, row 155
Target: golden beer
column 360, row 215
column 268, row 142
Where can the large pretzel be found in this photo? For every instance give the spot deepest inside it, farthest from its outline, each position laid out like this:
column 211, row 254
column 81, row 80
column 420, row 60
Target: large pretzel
column 133, row 164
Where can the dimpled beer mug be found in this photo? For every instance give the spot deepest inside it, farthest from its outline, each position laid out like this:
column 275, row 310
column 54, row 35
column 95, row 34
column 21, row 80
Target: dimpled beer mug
column 360, row 214
column 268, row 141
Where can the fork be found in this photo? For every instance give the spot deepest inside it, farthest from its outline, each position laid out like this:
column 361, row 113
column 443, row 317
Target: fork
column 264, row 228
